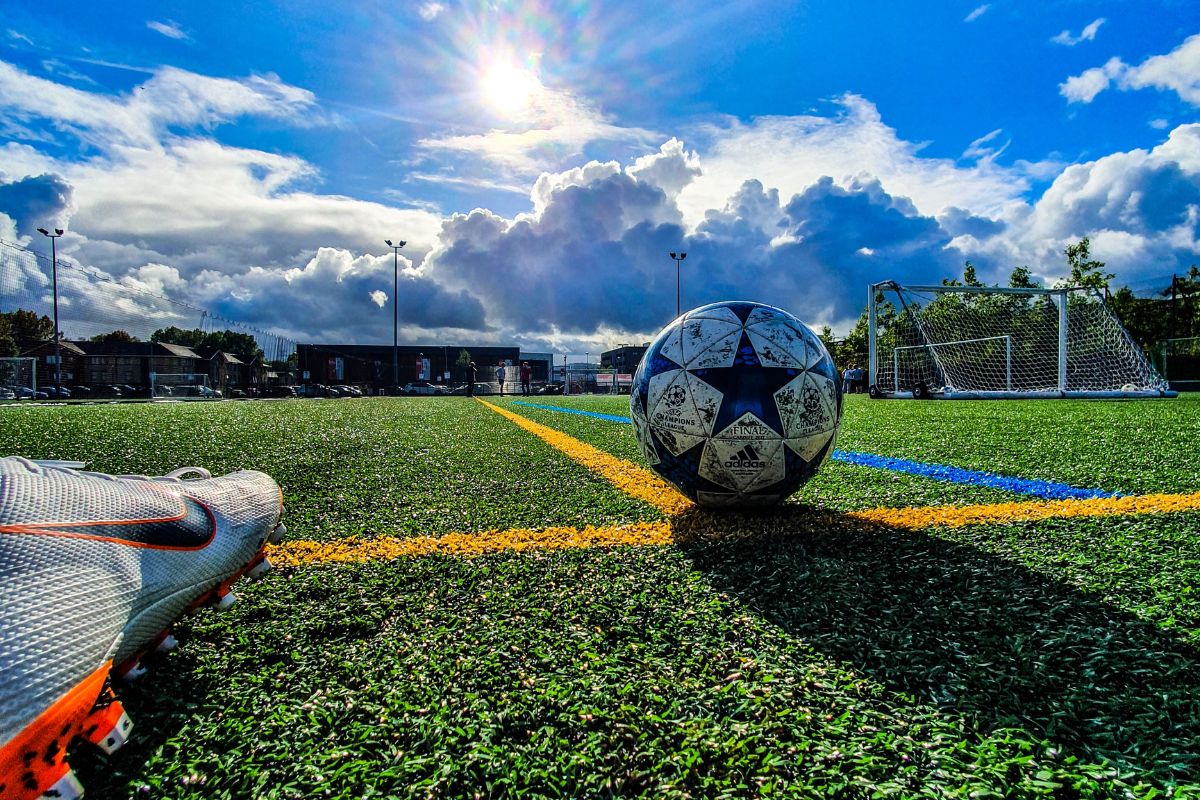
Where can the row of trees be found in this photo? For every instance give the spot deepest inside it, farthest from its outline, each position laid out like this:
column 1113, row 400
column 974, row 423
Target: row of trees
column 21, row 329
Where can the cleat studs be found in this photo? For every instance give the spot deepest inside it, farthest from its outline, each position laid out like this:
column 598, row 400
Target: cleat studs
column 134, row 672
column 67, row 787
column 168, row 644
column 225, row 601
column 260, row 569
column 277, row 534
column 118, row 736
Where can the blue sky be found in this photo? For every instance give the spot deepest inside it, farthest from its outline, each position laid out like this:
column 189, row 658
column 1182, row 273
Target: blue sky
column 542, row 158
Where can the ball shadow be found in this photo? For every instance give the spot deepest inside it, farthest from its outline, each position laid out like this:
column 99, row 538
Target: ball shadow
column 971, row 632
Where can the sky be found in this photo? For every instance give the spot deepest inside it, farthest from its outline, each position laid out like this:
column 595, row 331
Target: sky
column 541, row 159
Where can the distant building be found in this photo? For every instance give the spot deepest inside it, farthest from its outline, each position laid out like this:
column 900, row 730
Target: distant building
column 74, row 362
column 540, row 364
column 130, row 363
column 624, row 359
column 371, row 364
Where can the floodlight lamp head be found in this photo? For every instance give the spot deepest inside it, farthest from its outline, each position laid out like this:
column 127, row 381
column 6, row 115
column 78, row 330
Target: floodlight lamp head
column 672, row 254
column 388, row 242
column 402, row 243
column 43, row 231
column 682, row 256
column 58, row 231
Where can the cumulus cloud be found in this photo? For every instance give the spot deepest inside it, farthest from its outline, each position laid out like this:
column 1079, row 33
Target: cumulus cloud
column 170, row 28
column 791, row 153
column 1086, row 35
column 1177, row 71
column 42, row 201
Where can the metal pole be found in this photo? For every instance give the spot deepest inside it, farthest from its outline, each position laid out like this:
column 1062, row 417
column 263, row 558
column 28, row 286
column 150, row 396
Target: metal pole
column 57, row 350
column 872, row 358
column 1062, row 342
column 396, row 319
column 677, row 259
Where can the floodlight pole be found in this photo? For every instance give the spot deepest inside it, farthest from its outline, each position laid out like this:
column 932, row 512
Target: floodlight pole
column 54, row 273
column 395, row 312
column 677, row 259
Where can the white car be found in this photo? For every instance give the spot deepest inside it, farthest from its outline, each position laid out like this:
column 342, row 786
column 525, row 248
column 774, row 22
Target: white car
column 423, row 387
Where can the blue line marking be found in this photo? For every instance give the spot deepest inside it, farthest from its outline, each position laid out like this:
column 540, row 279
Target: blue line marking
column 940, row 472
column 607, row 417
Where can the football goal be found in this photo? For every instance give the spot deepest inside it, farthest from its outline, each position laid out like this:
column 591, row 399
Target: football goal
column 180, row 386
column 16, row 373
column 985, row 342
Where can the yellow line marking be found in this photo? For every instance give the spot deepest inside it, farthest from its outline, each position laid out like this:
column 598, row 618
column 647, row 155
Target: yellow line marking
column 961, row 516
column 646, row 486
column 348, row 551
column 626, row 476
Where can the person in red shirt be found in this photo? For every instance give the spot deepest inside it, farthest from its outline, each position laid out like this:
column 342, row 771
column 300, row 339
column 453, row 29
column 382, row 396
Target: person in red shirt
column 526, row 374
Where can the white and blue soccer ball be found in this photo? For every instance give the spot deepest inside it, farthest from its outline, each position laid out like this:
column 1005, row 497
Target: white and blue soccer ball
column 737, row 404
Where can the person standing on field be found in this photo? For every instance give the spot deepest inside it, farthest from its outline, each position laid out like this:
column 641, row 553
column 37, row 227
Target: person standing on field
column 471, row 379
column 500, row 377
column 847, row 380
column 526, row 374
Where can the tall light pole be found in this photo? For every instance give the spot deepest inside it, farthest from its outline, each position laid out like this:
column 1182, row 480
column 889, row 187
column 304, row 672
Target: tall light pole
column 677, row 258
column 395, row 311
column 54, row 272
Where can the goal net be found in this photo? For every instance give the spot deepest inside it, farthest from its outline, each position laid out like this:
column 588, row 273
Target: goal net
column 975, row 341
column 181, row 385
column 18, row 372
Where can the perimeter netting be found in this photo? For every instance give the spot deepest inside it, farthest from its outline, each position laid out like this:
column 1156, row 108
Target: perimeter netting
column 965, row 340
column 180, row 385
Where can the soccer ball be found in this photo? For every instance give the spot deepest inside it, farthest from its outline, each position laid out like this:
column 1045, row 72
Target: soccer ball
column 736, row 403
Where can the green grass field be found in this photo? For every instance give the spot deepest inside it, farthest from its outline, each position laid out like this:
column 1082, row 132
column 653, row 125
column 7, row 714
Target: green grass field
column 805, row 654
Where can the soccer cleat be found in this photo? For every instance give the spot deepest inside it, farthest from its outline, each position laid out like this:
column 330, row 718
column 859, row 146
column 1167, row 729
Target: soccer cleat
column 94, row 569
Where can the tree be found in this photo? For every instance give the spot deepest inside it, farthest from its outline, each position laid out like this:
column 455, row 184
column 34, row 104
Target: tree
column 28, row 329
column 114, row 336
column 8, row 345
column 1021, row 278
column 461, row 363
column 1085, row 271
column 242, row 345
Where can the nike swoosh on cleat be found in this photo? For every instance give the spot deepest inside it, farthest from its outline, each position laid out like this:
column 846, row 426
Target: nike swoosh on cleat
column 192, row 529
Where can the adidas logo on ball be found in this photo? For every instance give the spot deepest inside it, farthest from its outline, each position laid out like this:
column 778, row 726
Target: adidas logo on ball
column 746, row 458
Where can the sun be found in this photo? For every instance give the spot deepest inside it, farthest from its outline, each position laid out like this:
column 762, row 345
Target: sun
column 510, row 89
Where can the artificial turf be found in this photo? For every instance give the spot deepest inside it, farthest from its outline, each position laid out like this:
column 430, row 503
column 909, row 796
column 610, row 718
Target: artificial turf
column 800, row 655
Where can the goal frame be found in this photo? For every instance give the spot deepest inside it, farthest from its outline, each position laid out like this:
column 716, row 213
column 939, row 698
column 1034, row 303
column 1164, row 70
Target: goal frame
column 192, row 379
column 1062, row 391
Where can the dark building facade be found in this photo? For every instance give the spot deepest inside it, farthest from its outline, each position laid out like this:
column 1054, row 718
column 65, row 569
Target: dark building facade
column 371, row 364
column 624, row 359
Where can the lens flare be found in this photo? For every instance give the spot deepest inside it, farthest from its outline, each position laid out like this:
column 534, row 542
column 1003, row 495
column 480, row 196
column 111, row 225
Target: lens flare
column 510, row 89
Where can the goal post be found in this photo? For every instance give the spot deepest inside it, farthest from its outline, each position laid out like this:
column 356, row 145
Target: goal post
column 18, row 373
column 181, row 386
column 985, row 342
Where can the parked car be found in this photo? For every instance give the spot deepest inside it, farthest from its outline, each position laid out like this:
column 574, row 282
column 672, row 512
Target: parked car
column 26, row 393
column 349, row 391
column 62, row 393
column 81, row 391
column 480, row 388
column 424, row 387
column 550, row 388
column 7, row 393
column 280, row 391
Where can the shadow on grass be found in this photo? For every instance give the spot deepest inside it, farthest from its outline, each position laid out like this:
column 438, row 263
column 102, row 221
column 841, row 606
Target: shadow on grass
column 968, row 631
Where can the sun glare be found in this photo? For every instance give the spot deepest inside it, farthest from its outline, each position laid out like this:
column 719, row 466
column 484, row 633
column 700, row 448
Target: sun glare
column 510, row 89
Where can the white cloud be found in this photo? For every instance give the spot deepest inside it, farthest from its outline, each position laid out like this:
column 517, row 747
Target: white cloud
column 555, row 126
column 1086, row 35
column 172, row 97
column 170, row 29
column 1159, row 124
column 430, row 11
column 378, row 297
column 977, row 13
column 19, row 37
column 1178, row 71
column 791, row 153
